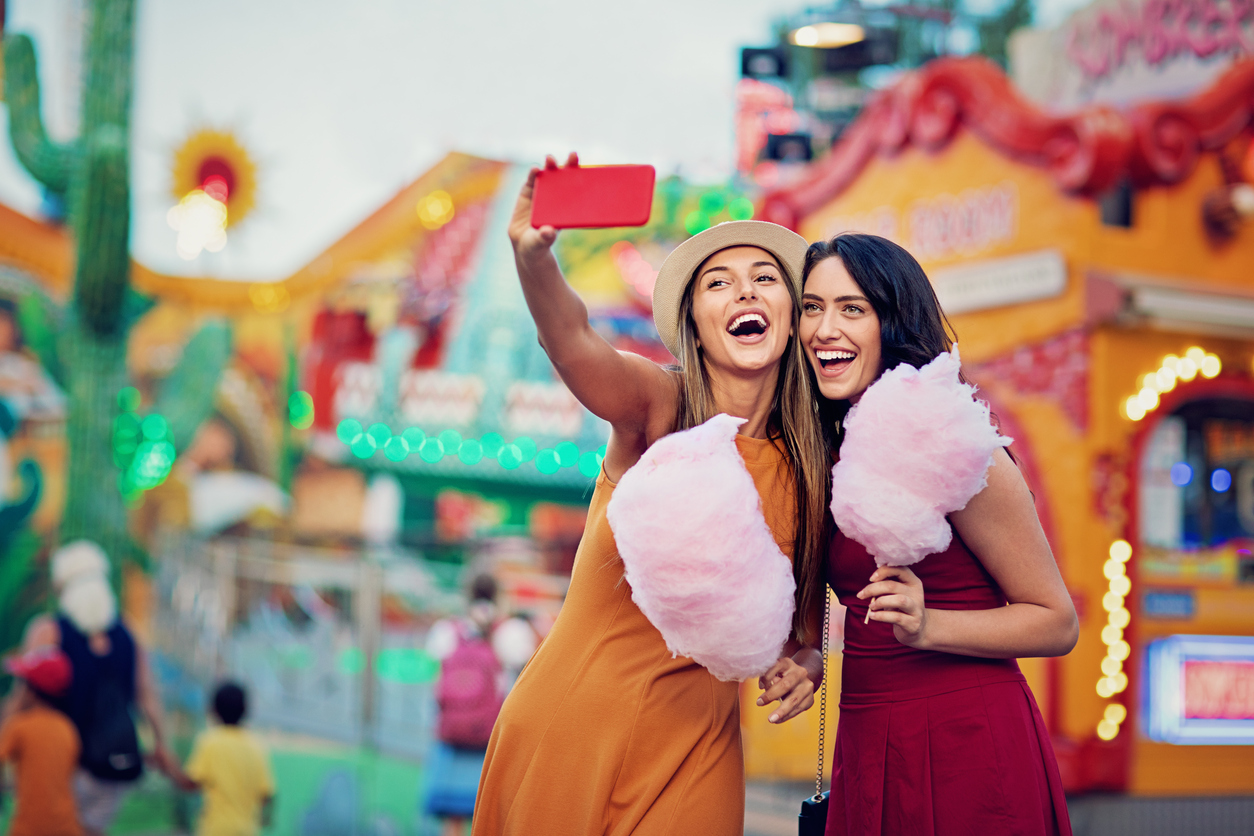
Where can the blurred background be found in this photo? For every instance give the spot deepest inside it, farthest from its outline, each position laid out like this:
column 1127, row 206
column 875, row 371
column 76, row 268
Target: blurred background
column 261, row 338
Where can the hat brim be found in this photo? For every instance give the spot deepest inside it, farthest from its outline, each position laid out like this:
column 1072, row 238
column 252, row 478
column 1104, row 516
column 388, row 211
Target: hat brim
column 677, row 271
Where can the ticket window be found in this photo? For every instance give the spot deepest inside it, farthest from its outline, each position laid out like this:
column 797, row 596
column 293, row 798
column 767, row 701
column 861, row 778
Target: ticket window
column 1196, row 575
column 1197, row 483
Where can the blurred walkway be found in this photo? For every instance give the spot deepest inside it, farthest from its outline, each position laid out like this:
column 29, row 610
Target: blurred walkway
column 771, row 807
column 771, row 810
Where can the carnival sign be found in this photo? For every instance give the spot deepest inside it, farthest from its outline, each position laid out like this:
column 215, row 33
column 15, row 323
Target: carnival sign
column 1200, row 690
column 1119, row 52
column 1158, row 31
column 975, row 286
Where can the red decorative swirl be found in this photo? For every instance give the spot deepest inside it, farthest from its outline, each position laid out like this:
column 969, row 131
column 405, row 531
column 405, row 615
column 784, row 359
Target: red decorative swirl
column 1085, row 152
column 1171, row 136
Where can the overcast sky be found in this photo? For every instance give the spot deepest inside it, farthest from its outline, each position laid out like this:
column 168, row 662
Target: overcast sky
column 342, row 104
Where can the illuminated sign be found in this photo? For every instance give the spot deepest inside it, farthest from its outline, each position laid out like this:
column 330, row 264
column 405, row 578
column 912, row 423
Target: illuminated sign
column 1200, row 690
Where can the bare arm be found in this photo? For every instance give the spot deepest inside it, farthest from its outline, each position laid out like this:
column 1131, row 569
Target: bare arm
column 635, row 395
column 149, row 702
column 1001, row 528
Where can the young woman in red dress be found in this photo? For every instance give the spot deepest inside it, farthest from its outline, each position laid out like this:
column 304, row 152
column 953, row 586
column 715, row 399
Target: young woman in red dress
column 939, row 733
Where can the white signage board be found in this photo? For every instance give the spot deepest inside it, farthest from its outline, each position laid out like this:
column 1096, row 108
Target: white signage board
column 992, row 283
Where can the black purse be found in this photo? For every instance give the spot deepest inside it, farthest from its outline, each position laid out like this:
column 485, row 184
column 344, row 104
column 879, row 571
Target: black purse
column 812, row 820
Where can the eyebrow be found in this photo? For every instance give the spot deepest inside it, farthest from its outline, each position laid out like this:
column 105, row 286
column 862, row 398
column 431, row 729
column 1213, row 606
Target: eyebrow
column 755, row 265
column 854, row 298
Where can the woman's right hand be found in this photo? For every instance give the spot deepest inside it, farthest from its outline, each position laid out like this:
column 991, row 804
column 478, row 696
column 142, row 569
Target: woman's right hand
column 529, row 242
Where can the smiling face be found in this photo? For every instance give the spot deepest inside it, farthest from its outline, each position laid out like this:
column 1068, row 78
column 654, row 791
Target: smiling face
column 742, row 309
column 840, row 331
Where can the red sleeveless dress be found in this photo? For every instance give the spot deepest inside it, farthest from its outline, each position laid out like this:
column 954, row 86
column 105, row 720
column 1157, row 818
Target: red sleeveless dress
column 930, row 743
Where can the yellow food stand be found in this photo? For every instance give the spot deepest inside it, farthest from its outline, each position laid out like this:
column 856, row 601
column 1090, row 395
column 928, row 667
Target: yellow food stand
column 1098, row 268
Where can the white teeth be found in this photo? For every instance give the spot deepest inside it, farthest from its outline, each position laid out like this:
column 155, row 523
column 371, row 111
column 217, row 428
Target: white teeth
column 834, row 355
column 740, row 320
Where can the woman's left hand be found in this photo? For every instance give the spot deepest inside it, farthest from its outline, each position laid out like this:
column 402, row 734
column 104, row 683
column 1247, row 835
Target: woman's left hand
column 790, row 683
column 896, row 595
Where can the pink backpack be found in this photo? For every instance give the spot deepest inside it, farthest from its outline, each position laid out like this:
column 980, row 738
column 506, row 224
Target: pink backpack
column 467, row 692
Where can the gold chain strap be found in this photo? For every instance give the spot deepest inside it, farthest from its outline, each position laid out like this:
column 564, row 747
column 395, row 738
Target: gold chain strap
column 827, row 613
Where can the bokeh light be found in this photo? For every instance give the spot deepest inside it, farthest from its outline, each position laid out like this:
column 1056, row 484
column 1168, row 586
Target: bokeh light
column 470, row 451
column 396, row 448
column 431, row 451
column 200, row 220
column 435, row 210
column 348, row 430
column 300, row 410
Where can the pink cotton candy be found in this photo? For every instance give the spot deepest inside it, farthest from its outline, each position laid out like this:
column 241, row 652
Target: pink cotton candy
column 703, row 566
column 917, row 447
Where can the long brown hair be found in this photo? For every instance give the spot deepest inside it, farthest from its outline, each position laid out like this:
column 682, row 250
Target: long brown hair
column 913, row 328
column 794, row 416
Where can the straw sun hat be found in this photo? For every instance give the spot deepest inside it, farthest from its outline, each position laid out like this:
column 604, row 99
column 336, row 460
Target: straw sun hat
column 677, row 271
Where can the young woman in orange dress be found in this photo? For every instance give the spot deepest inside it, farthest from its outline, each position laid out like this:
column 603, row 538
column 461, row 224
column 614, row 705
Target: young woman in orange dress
column 605, row 731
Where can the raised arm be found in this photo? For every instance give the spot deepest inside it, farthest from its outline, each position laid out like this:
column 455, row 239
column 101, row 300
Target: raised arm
column 1001, row 528
column 635, row 395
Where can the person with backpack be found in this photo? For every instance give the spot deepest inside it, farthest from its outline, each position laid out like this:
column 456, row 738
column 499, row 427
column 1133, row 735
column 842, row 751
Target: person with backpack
column 110, row 681
column 479, row 656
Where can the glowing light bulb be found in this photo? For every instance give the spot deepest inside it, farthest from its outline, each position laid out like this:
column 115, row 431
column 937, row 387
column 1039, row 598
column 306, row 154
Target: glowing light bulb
column 1188, row 369
column 1107, row 730
column 1112, row 601
column 1112, row 569
column 1110, row 635
column 1121, row 586
column 1120, row 650
column 806, row 36
column 1195, row 353
column 1116, row 713
column 1211, row 366
column 1105, row 688
column 1147, row 398
column 436, row 209
column 1110, row 667
column 1120, row 682
column 1133, row 409
column 1120, row 550
column 200, row 221
column 1172, row 362
column 1165, row 380
column 1119, row 618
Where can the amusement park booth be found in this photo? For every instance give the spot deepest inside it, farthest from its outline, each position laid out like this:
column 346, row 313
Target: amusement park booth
column 1098, row 269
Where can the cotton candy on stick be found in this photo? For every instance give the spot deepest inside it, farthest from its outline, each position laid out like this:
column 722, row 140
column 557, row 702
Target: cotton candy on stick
column 701, row 561
column 917, row 447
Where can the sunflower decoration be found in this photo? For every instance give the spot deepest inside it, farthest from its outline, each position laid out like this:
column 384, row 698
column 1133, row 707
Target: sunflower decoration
column 214, row 181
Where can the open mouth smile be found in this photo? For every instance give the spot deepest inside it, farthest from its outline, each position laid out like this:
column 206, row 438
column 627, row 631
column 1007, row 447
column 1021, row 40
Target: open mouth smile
column 834, row 360
column 749, row 326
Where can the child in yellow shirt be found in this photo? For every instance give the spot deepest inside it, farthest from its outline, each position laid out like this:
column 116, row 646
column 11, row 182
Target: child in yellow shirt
column 230, row 767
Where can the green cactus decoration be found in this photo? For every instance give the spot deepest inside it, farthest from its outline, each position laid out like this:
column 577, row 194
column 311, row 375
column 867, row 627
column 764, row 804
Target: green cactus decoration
column 92, row 172
column 48, row 162
column 186, row 396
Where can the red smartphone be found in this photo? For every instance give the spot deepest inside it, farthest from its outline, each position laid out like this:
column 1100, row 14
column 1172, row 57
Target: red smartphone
column 593, row 196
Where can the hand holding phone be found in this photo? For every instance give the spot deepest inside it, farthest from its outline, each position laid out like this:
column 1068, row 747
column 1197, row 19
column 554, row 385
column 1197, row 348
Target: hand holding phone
column 578, row 197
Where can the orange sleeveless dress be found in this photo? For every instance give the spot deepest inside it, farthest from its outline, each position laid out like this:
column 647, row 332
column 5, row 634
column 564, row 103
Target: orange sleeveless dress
column 605, row 732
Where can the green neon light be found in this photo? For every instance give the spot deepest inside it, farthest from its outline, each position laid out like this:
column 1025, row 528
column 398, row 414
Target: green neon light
column 366, row 442
column 143, row 450
column 300, row 410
